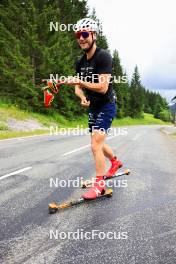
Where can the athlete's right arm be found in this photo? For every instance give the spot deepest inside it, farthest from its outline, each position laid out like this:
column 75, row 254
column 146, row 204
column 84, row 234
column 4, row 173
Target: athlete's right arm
column 79, row 92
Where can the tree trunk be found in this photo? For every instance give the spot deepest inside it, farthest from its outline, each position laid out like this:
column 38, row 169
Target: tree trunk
column 33, row 66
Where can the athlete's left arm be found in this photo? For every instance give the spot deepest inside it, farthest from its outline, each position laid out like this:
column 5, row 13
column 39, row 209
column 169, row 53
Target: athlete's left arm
column 104, row 71
column 101, row 86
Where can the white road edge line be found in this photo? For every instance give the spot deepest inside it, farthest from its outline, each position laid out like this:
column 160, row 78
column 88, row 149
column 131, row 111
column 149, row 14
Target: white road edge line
column 14, row 173
column 110, row 137
column 78, row 149
column 75, row 150
column 136, row 137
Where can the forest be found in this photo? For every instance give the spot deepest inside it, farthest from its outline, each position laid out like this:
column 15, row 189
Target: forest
column 30, row 51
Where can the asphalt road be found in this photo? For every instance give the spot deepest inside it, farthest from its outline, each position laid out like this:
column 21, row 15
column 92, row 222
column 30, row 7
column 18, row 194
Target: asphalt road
column 142, row 215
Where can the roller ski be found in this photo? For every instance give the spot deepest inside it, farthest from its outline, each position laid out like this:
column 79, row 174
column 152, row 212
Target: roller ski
column 88, row 183
column 56, row 207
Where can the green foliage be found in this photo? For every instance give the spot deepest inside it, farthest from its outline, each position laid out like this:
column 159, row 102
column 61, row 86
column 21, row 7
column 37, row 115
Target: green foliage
column 165, row 115
column 29, row 52
column 3, row 126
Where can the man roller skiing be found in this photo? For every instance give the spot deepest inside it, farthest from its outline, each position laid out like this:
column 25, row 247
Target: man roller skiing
column 94, row 88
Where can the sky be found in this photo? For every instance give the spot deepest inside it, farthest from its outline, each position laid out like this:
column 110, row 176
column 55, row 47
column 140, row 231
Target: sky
column 144, row 33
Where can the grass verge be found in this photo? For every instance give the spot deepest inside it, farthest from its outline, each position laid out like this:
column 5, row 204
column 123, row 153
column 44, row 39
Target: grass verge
column 13, row 134
column 9, row 111
column 147, row 120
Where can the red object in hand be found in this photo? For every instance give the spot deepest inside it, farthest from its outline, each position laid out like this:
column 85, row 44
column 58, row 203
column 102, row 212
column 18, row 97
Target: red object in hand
column 52, row 87
column 48, row 98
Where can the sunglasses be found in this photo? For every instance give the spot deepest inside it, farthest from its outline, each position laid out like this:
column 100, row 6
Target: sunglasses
column 84, row 34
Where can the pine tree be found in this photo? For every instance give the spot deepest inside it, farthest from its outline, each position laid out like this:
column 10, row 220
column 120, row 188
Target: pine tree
column 121, row 88
column 136, row 95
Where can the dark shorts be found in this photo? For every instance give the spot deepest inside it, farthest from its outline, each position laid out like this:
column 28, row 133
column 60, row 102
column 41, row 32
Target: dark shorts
column 101, row 118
